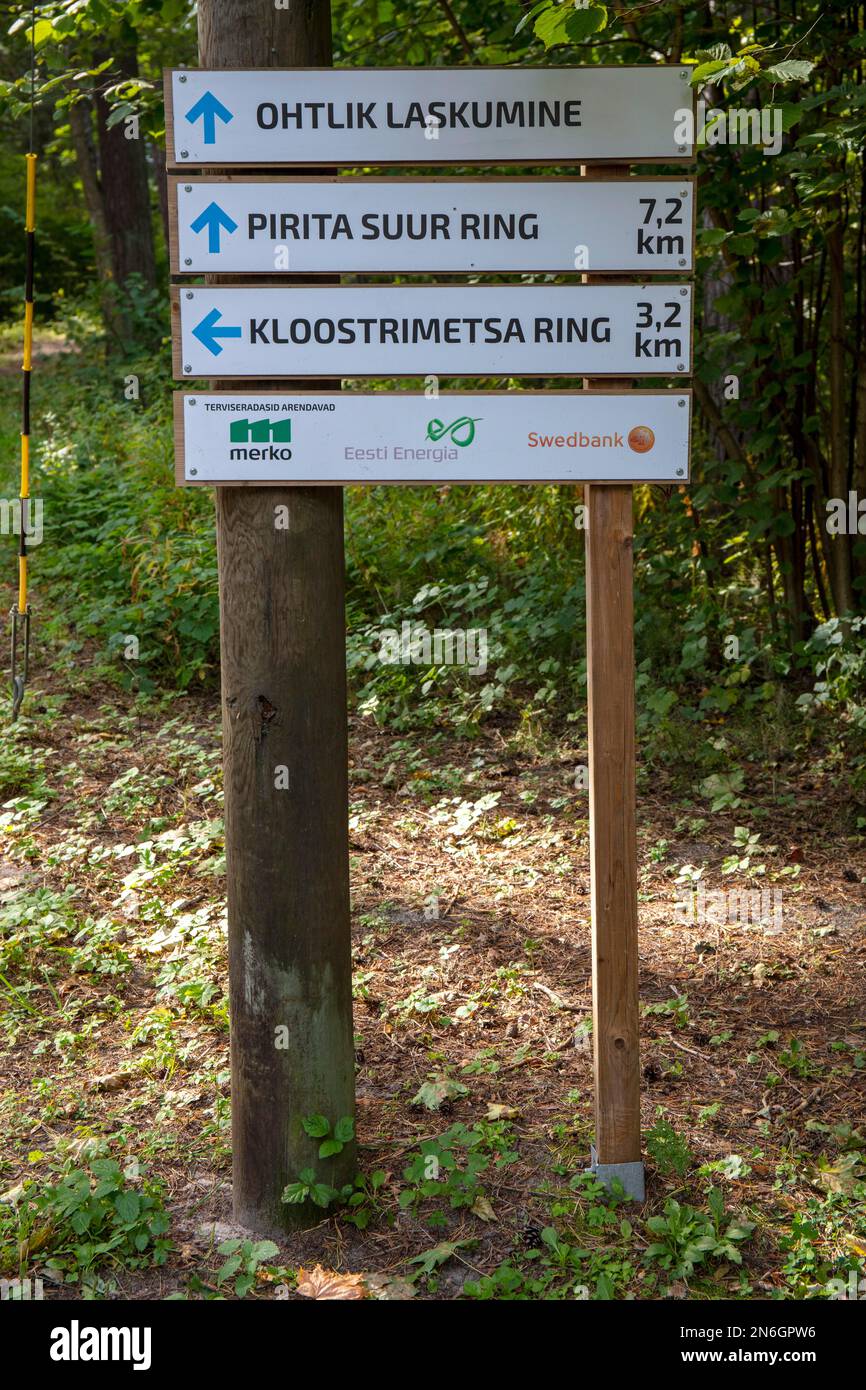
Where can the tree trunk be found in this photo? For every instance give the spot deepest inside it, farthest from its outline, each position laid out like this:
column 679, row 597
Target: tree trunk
column 123, row 173
column 161, row 179
column 284, row 703
column 81, row 127
column 839, row 545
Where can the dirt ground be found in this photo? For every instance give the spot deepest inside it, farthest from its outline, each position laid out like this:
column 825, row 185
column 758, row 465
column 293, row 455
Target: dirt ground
column 471, row 932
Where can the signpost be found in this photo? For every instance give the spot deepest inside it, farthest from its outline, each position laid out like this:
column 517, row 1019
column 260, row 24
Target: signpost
column 245, row 226
column 395, row 437
column 489, row 330
column 281, row 590
column 476, row 115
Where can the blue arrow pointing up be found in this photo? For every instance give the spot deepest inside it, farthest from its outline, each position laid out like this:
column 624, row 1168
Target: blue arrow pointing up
column 213, row 218
column 209, row 335
column 208, row 108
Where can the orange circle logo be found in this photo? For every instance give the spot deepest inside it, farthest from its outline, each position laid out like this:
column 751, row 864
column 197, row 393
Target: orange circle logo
column 641, row 439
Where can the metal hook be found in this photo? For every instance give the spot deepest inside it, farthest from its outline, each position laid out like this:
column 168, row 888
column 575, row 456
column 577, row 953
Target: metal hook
column 19, row 681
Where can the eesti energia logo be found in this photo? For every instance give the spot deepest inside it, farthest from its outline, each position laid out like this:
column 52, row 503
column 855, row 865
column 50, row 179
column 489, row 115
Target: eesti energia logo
column 263, row 432
column 461, row 432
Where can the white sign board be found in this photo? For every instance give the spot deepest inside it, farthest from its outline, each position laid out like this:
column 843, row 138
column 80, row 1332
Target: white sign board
column 329, row 437
column 449, row 330
column 469, row 115
column 257, row 227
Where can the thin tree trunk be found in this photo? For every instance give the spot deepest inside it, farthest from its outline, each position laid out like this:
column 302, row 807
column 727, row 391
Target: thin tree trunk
column 839, row 546
column 161, row 180
column 81, row 127
column 123, row 171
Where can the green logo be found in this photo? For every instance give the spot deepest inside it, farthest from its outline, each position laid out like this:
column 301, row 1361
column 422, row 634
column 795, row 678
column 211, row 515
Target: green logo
column 260, row 431
column 461, row 432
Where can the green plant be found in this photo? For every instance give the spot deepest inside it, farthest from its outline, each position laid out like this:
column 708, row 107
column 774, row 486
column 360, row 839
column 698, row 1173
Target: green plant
column 450, row 1166
column 794, row 1058
column 668, row 1149
column 318, row 1127
column 86, row 1220
column 676, row 1008
column 364, row 1201
column 243, row 1258
column 307, row 1188
column 687, row 1237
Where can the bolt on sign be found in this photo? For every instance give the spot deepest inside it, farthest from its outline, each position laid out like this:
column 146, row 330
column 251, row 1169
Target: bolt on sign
column 253, row 226
column 388, row 331
column 428, row 116
column 511, row 437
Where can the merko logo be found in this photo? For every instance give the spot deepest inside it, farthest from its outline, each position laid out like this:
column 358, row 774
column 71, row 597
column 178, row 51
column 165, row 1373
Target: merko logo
column 260, row 432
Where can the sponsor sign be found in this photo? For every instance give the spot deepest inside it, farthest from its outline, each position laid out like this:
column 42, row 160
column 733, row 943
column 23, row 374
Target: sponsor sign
column 334, row 437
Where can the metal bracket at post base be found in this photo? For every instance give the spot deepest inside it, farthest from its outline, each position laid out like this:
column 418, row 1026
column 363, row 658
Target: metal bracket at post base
column 631, row 1175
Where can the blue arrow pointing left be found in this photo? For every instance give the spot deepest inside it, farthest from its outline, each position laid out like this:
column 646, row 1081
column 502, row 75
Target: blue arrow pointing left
column 213, row 218
column 209, row 334
column 208, row 109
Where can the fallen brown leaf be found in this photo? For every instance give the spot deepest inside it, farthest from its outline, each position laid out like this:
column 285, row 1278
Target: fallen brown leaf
column 327, row 1283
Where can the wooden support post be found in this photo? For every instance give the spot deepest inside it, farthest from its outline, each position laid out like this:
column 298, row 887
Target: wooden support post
column 613, row 851
column 282, row 625
column 612, row 825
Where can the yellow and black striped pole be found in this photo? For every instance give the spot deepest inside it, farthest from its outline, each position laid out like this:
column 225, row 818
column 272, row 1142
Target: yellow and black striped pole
column 21, row 611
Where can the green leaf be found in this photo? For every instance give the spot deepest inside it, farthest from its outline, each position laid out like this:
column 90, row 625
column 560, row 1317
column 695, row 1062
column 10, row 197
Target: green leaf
column 43, row 31
column 434, row 1093
column 585, row 21
column 432, row 1259
column 715, row 52
column 316, row 1126
column 705, row 71
column 127, row 1205
column 264, row 1250
column 344, row 1129
column 791, row 113
column 330, row 1146
column 521, row 23
column 565, row 24
column 790, row 70
column 295, row 1192
column 322, row 1195
column 231, row 1266
column 740, row 1230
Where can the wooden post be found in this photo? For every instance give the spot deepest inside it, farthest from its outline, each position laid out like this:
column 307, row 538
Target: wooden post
column 612, row 826
column 282, row 622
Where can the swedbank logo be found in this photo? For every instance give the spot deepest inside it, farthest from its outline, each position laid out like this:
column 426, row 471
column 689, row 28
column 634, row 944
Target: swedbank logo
column 640, row 439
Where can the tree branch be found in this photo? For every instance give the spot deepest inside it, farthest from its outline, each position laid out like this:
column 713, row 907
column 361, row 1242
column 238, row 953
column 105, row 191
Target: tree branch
column 447, row 10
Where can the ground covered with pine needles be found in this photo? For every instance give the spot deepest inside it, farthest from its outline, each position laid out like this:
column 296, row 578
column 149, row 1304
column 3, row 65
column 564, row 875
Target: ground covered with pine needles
column 471, row 931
